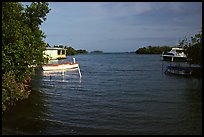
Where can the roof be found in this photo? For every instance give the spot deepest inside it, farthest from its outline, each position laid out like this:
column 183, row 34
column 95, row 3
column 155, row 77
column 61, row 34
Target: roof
column 177, row 49
column 48, row 48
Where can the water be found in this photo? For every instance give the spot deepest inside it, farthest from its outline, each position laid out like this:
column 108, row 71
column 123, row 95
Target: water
column 117, row 94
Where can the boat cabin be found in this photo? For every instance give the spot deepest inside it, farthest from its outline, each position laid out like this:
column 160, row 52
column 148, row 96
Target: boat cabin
column 176, row 54
column 179, row 51
column 55, row 53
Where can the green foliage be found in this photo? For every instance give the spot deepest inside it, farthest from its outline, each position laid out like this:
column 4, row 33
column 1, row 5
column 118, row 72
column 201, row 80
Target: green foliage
column 80, row 51
column 194, row 53
column 36, row 13
column 12, row 91
column 71, row 51
column 194, row 49
column 22, row 43
column 153, row 50
column 22, row 40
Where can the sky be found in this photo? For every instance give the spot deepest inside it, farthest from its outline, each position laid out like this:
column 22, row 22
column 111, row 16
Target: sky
column 121, row 26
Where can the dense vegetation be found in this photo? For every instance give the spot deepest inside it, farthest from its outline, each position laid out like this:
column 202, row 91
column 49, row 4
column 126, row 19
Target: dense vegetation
column 153, row 50
column 72, row 51
column 22, row 46
column 194, row 48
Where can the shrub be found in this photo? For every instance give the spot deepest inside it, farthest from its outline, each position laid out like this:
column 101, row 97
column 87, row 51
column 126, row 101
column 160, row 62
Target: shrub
column 12, row 91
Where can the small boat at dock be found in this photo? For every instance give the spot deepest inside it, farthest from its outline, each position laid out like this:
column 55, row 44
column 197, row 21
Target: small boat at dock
column 63, row 66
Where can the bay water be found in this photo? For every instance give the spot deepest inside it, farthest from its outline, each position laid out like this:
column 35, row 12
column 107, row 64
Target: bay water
column 118, row 93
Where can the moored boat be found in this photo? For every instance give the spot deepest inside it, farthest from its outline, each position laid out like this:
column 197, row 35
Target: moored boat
column 179, row 70
column 176, row 54
column 67, row 65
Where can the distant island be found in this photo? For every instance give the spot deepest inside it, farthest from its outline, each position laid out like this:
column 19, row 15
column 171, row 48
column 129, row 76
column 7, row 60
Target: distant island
column 153, row 50
column 96, row 52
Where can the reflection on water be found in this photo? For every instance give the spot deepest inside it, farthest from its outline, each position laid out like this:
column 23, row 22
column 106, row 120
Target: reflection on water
column 61, row 75
column 29, row 115
column 33, row 115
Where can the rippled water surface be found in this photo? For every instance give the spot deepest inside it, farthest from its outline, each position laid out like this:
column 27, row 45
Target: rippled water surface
column 117, row 94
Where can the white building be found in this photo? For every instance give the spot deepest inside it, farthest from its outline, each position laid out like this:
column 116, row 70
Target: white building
column 55, row 53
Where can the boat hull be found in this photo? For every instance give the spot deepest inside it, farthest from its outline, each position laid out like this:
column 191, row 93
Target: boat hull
column 173, row 58
column 178, row 70
column 67, row 65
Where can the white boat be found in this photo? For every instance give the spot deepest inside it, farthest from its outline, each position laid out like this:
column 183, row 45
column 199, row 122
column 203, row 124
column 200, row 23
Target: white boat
column 63, row 66
column 176, row 54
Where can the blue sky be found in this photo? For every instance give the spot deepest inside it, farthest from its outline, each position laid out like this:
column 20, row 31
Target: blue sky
column 121, row 26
